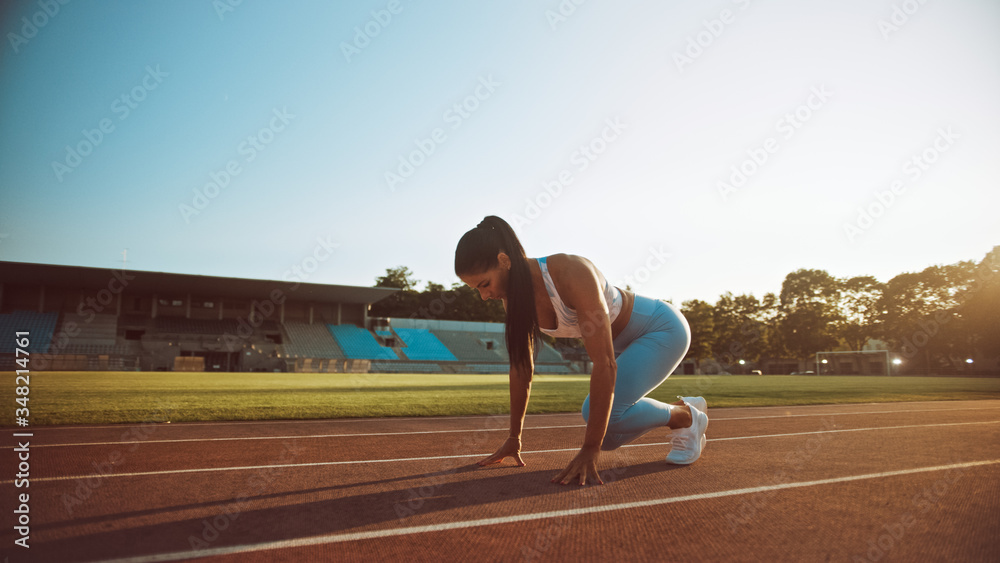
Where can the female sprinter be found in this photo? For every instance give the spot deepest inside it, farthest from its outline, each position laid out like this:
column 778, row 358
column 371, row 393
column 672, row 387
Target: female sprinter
column 634, row 343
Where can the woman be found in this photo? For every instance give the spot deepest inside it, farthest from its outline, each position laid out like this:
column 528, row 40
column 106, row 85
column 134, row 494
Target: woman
column 634, row 343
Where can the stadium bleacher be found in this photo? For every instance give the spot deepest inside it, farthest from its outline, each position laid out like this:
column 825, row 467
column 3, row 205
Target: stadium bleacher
column 488, row 368
column 482, row 351
column 471, row 346
column 179, row 325
column 561, row 369
column 357, row 343
column 406, row 367
column 311, row 341
column 421, row 344
column 40, row 326
column 97, row 335
column 548, row 354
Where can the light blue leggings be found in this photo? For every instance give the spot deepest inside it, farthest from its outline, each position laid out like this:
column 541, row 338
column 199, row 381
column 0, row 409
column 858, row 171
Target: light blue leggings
column 647, row 351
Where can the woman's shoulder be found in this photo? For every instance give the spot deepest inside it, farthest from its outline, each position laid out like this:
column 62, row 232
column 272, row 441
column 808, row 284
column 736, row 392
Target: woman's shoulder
column 568, row 268
column 570, row 260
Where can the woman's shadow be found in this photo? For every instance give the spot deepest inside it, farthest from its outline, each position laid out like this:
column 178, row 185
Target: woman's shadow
column 470, row 491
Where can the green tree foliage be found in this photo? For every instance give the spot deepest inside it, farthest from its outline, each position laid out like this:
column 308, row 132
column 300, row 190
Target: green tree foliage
column 699, row 315
column 460, row 303
column 944, row 314
column 859, row 310
column 402, row 301
column 399, row 277
column 809, row 312
column 981, row 306
column 739, row 331
column 915, row 305
column 935, row 318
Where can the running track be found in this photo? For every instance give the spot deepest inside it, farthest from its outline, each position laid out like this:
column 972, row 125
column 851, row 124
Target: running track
column 892, row 482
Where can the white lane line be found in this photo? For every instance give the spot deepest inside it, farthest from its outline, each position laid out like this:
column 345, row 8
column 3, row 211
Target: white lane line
column 465, row 430
column 854, row 413
column 298, row 421
column 499, row 415
column 294, row 437
column 413, row 530
column 461, row 456
column 850, row 430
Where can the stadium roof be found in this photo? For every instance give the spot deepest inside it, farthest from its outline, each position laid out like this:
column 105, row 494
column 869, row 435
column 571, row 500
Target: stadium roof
column 81, row 277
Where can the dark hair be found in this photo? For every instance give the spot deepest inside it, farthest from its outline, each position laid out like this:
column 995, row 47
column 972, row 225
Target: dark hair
column 476, row 253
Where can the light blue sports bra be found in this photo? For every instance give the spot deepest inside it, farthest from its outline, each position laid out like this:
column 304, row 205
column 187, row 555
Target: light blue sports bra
column 568, row 325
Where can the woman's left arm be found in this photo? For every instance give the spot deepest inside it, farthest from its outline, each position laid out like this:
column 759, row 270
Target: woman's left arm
column 585, row 294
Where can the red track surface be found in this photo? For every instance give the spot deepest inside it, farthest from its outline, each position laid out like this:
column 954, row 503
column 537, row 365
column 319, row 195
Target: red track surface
column 894, row 482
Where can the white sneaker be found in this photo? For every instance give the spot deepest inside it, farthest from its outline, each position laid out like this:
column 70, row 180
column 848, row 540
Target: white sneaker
column 688, row 443
column 698, row 402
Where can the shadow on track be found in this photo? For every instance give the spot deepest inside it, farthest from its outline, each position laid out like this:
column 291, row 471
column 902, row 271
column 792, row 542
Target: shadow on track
column 467, row 491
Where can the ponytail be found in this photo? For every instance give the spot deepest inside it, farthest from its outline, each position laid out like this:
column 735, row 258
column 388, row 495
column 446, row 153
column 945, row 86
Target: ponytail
column 476, row 253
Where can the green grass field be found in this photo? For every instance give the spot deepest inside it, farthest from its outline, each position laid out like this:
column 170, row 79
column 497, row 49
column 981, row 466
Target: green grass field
column 116, row 397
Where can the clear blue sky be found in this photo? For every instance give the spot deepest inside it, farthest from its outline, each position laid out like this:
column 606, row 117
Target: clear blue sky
column 309, row 117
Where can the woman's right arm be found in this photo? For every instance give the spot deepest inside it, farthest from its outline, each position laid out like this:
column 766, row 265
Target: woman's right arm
column 520, row 390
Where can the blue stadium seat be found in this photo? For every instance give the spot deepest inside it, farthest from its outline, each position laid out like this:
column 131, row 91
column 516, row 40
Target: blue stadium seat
column 421, row 344
column 359, row 344
column 40, row 326
column 471, row 347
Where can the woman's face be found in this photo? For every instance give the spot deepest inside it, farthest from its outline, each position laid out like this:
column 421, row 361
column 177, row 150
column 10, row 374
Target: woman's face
column 491, row 284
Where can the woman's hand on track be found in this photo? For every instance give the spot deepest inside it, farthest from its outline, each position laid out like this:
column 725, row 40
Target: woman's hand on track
column 584, row 466
column 510, row 448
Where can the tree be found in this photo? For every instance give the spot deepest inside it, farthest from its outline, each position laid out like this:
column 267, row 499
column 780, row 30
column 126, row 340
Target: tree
column 399, row 277
column 809, row 286
column 859, row 310
column 739, row 332
column 981, row 308
column 769, row 315
column 809, row 312
column 402, row 303
column 460, row 303
column 807, row 329
column 922, row 314
column 699, row 317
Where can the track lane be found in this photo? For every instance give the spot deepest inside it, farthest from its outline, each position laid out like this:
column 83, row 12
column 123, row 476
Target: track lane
column 165, row 511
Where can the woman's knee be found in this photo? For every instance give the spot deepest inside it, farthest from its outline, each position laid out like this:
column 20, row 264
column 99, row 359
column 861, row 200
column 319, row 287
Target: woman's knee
column 585, row 409
column 614, row 421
